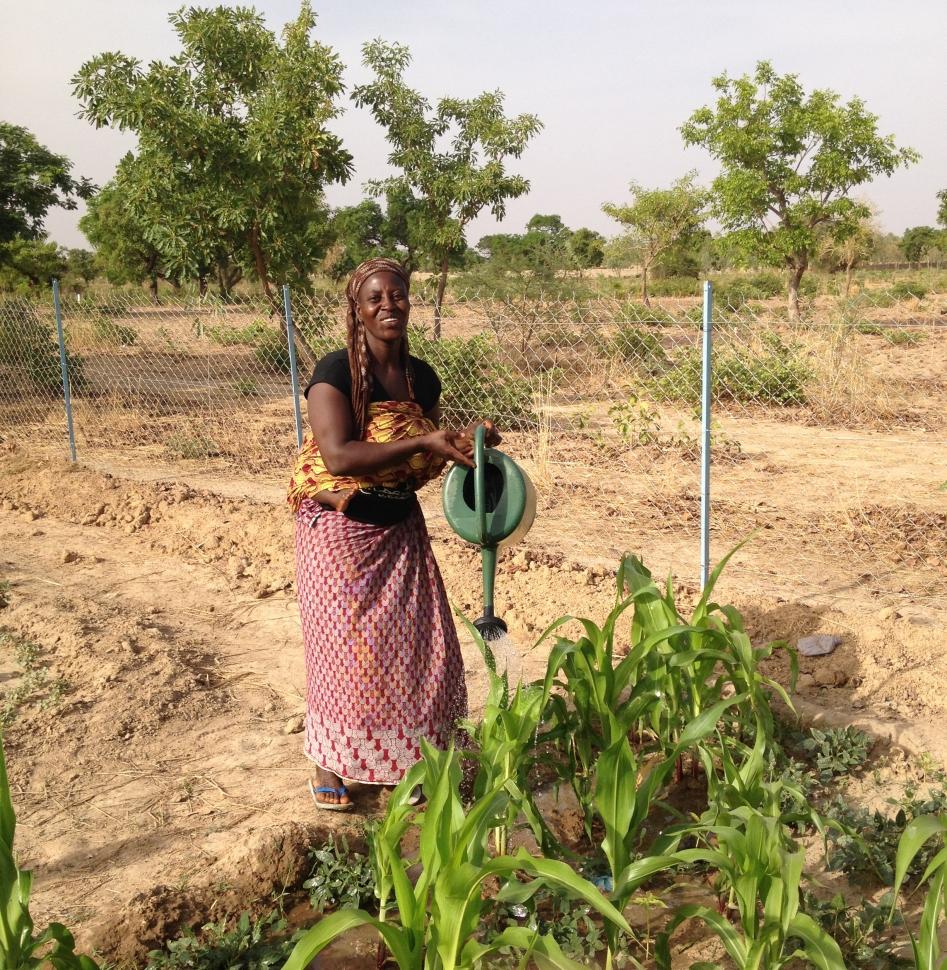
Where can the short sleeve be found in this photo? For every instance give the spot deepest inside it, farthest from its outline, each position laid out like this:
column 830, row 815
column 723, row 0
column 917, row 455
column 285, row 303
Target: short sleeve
column 333, row 369
column 427, row 385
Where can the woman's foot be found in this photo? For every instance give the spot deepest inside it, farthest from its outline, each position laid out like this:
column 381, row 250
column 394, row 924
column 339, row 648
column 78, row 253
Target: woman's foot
column 328, row 791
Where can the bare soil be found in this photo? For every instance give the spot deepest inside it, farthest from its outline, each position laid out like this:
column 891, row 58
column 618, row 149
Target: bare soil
column 163, row 782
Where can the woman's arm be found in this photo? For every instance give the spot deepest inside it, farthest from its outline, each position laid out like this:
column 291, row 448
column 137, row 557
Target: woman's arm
column 330, row 416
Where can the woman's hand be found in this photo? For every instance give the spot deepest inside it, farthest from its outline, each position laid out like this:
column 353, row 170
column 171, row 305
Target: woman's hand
column 451, row 445
column 491, row 438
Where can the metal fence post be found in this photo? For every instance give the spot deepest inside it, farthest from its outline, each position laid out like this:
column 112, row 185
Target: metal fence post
column 293, row 371
column 706, row 376
column 64, row 367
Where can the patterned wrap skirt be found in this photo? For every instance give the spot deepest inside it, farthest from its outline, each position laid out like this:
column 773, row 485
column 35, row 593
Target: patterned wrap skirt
column 383, row 663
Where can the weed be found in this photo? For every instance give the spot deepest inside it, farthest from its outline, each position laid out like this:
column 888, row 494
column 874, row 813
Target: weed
column 251, row 335
column 107, row 331
column 194, row 445
column 863, row 933
column 246, row 387
column 869, row 329
column 340, row 879
column 903, row 338
column 641, row 348
column 249, row 945
column 907, row 289
column 837, row 751
column 5, row 592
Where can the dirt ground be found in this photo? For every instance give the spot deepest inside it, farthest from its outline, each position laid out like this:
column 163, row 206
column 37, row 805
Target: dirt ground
column 157, row 770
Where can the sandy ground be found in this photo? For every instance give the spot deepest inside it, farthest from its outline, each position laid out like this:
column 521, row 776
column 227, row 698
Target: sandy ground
column 171, row 758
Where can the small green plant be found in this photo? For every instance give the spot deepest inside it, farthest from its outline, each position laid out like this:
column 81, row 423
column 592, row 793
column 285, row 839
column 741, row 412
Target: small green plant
column 636, row 422
column 106, row 331
column 192, row 446
column 4, row 593
column 258, row 944
column 837, row 751
column 272, row 351
column 19, row 948
column 33, row 685
column 340, row 879
column 251, row 335
column 641, row 348
column 903, row 338
column 862, row 932
column 869, row 329
column 246, row 387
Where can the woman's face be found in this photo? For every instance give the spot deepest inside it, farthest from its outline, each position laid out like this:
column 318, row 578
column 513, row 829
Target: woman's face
column 383, row 306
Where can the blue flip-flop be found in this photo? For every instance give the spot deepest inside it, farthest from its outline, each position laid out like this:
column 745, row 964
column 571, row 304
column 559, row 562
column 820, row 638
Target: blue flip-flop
column 330, row 806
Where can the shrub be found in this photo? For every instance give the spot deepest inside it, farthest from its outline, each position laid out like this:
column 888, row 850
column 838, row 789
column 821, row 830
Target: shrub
column 272, row 351
column 906, row 289
column 903, row 338
column 107, row 331
column 774, row 375
column 737, row 291
column 640, row 348
column 30, row 346
column 251, row 335
column 674, row 286
column 478, row 380
column 193, row 445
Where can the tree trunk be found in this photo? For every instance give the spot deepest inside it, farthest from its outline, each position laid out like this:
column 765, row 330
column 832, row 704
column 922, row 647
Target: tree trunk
column 848, row 281
column 644, row 285
column 262, row 272
column 795, row 275
column 439, row 298
column 202, row 286
column 153, row 288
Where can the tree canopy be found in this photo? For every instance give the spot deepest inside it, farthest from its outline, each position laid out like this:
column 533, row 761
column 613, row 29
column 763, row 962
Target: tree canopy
column 451, row 158
column 32, row 181
column 788, row 163
column 920, row 242
column 658, row 218
column 234, row 148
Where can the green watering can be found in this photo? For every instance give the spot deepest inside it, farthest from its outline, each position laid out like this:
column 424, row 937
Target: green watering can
column 493, row 506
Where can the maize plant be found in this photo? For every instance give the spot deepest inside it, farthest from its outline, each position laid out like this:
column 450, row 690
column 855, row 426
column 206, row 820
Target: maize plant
column 926, row 945
column 436, row 920
column 19, row 948
column 763, row 870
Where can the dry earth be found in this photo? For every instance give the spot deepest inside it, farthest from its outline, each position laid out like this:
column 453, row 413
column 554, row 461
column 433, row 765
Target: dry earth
column 166, row 782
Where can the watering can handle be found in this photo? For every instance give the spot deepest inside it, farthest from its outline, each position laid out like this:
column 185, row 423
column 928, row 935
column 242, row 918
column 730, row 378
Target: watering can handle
column 480, row 481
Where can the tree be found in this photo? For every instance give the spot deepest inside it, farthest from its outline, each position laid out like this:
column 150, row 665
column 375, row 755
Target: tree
column 942, row 207
column 789, row 162
column 587, row 248
column 658, row 218
column 35, row 261
column 919, row 242
column 119, row 238
column 451, row 159
column 233, row 145
column 359, row 233
column 853, row 248
column 32, row 181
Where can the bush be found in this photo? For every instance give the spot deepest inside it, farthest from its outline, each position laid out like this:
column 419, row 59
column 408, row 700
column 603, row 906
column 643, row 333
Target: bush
column 249, row 335
column 903, row 338
column 906, row 289
column 675, row 286
column 774, row 375
column 737, row 291
column 272, row 351
column 640, row 348
column 478, row 380
column 30, row 345
column 108, row 332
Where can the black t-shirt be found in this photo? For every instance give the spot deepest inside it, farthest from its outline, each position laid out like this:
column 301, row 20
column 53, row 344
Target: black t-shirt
column 379, row 506
column 334, row 369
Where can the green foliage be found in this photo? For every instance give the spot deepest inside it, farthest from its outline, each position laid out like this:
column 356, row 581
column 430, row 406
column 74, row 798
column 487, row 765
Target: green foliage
column 477, row 380
column 908, row 289
column 449, row 186
column 439, row 913
column 107, row 331
column 251, row 335
column 921, row 242
column 19, row 948
column 837, row 751
column 30, row 343
column 587, row 248
column 258, row 944
column 34, row 685
column 788, row 163
column 675, row 286
column 735, row 292
column 340, row 879
column 657, row 219
column 272, row 351
column 775, row 375
column 32, row 181
column 192, row 445
column 26, row 264
column 213, row 125
column 867, row 843
column 641, row 348
column 902, row 338
column 862, row 932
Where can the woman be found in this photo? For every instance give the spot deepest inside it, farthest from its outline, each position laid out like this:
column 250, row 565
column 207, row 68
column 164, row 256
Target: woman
column 383, row 663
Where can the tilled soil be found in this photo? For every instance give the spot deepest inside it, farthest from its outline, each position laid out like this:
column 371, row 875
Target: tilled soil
column 156, row 764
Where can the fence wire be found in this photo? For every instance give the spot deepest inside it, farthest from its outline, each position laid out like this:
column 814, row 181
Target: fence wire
column 828, row 433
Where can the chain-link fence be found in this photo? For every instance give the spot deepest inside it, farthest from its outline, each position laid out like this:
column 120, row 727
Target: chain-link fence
column 827, row 439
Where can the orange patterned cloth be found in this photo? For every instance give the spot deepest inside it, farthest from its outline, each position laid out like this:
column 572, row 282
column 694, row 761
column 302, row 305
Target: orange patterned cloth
column 387, row 421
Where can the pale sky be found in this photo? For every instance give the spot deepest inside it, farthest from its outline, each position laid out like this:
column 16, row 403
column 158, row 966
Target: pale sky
column 611, row 81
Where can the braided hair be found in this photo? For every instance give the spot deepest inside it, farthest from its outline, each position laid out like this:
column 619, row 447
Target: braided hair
column 360, row 360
